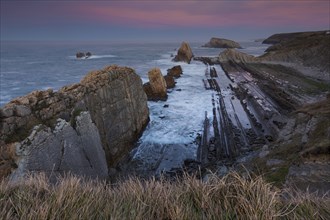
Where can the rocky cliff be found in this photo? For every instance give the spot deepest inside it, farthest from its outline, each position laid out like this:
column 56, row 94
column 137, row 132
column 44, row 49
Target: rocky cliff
column 221, row 43
column 185, row 53
column 311, row 49
column 83, row 128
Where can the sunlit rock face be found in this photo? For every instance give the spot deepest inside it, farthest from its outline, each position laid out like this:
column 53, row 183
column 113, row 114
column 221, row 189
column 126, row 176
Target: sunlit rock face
column 185, row 53
column 156, row 88
column 83, row 128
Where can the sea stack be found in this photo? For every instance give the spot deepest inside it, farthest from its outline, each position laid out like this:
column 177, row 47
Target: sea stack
column 185, row 53
column 156, row 88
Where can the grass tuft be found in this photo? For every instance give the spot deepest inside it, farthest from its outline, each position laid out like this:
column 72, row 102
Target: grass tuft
column 229, row 197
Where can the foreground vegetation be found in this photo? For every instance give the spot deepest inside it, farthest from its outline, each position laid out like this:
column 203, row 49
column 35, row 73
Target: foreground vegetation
column 229, row 197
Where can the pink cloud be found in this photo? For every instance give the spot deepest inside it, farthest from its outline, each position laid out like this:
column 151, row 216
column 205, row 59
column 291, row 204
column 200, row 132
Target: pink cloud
column 209, row 13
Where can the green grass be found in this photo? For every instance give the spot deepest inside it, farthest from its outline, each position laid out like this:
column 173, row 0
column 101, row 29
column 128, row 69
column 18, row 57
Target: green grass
column 229, row 197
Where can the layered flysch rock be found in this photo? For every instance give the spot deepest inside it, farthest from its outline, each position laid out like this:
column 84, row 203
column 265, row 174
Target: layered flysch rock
column 236, row 56
column 156, row 88
column 84, row 128
column 222, row 43
column 185, row 53
column 310, row 49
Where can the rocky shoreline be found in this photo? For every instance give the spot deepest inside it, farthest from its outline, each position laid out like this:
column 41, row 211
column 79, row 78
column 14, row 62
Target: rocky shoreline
column 268, row 117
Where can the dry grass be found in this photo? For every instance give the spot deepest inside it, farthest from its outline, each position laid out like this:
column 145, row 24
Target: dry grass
column 230, row 197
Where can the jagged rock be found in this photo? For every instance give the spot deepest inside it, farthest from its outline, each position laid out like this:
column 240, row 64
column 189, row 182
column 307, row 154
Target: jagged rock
column 114, row 98
column 222, row 43
column 156, row 87
column 184, row 53
column 235, row 55
column 80, row 55
column 170, row 82
column 175, row 71
column 88, row 54
column 77, row 150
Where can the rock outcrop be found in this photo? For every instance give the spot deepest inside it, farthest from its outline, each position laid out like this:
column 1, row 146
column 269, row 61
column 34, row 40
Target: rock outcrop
column 170, row 82
column 235, row 55
column 280, row 38
column 310, row 49
column 222, row 43
column 175, row 71
column 80, row 55
column 106, row 111
column 185, row 53
column 156, row 88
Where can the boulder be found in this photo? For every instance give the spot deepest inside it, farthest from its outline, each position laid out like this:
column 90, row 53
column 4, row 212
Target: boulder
column 156, row 88
column 221, row 43
column 175, row 71
column 170, row 82
column 116, row 113
column 184, row 53
column 80, row 55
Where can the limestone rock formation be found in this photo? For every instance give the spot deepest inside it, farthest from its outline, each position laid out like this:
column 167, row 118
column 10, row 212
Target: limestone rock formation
column 185, row 53
column 74, row 148
column 156, row 87
column 222, row 43
column 310, row 49
column 175, row 71
column 235, row 55
column 114, row 99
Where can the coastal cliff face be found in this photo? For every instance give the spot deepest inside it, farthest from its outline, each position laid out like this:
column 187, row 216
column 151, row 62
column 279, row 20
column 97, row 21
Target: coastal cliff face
column 311, row 49
column 222, row 43
column 92, row 125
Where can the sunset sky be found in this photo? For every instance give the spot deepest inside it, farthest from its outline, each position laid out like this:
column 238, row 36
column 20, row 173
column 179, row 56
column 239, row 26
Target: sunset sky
column 158, row 20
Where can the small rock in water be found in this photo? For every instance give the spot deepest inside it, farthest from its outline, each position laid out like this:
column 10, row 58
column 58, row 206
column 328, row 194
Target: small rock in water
column 179, row 90
column 166, row 106
column 162, row 116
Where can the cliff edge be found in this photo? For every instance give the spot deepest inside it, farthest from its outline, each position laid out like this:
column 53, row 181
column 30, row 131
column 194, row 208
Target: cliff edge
column 83, row 128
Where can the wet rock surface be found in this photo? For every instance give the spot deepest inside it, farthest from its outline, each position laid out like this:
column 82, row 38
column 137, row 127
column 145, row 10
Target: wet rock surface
column 113, row 97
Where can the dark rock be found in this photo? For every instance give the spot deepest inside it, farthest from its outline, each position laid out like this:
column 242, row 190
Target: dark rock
column 184, row 53
column 170, row 82
column 166, row 106
column 88, row 54
column 222, row 43
column 80, row 55
column 175, row 71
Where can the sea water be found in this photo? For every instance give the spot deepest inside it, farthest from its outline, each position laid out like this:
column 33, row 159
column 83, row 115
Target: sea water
column 27, row 66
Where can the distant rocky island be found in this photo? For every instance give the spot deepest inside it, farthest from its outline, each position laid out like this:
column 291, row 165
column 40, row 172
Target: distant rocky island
column 90, row 127
column 221, row 43
column 80, row 55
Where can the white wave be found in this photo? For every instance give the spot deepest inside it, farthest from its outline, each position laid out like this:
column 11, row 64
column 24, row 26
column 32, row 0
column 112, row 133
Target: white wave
column 94, row 57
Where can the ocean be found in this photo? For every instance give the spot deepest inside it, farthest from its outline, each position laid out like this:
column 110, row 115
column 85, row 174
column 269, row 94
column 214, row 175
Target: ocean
column 27, row 66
